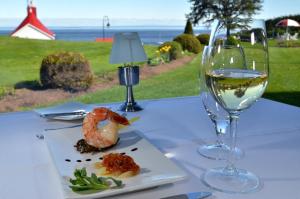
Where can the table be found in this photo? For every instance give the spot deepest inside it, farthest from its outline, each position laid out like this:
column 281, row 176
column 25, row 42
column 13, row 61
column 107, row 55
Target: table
column 269, row 132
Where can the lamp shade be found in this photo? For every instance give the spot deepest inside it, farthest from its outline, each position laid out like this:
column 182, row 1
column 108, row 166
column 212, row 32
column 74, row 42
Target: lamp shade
column 127, row 48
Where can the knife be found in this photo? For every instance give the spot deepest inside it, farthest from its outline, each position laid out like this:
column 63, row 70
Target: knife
column 74, row 113
column 194, row 195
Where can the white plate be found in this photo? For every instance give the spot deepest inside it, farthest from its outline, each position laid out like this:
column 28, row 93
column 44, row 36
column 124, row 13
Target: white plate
column 156, row 169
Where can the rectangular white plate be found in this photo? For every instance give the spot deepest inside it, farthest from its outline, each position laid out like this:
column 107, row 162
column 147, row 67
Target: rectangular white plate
column 156, row 169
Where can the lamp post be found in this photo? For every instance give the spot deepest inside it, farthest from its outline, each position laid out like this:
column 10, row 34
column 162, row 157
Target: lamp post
column 105, row 23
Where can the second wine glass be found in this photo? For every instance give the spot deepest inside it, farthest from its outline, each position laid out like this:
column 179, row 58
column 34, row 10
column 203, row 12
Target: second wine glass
column 219, row 117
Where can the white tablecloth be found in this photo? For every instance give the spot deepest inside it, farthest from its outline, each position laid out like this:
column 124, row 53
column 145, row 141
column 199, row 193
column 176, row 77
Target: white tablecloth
column 269, row 132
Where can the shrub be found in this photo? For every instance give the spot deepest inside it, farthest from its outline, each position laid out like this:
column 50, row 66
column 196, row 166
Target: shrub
column 189, row 43
column 203, row 38
column 154, row 61
column 188, row 28
column 175, row 51
column 231, row 41
column 67, row 70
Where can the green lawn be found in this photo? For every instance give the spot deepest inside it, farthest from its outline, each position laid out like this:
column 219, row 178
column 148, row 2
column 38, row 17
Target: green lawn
column 284, row 82
column 20, row 61
column 283, row 85
column 180, row 82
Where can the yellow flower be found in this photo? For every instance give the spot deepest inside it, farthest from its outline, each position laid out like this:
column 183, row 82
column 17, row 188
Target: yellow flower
column 166, row 49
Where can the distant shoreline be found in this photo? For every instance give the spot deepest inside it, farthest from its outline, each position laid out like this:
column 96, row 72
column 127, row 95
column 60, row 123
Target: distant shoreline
column 161, row 27
column 149, row 34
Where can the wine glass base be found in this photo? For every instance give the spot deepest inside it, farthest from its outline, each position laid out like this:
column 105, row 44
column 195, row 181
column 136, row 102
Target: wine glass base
column 218, row 151
column 242, row 181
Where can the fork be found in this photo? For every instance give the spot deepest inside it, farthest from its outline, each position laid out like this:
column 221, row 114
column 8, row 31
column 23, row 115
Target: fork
column 41, row 136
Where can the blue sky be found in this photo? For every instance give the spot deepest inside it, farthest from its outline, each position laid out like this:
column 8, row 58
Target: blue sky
column 122, row 12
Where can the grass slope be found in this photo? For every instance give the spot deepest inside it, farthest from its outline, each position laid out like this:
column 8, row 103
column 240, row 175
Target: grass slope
column 283, row 85
column 20, row 61
column 180, row 82
column 21, row 58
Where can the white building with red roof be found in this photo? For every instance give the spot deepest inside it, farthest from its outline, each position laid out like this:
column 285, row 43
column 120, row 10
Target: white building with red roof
column 32, row 27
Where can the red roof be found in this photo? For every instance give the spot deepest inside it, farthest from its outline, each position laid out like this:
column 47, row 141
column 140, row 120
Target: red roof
column 34, row 21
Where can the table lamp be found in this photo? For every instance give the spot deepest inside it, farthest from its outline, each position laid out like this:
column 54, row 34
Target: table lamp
column 127, row 49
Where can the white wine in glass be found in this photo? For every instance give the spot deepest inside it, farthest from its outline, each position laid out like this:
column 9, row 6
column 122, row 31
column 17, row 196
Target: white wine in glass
column 236, row 89
column 237, row 76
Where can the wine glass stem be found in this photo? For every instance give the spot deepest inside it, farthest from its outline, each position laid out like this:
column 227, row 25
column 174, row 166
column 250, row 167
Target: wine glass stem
column 221, row 127
column 219, row 140
column 230, row 168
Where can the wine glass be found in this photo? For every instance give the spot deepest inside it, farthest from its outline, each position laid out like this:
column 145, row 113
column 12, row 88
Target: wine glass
column 219, row 117
column 237, row 76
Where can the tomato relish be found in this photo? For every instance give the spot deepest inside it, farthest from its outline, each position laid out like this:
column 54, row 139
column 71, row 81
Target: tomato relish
column 116, row 162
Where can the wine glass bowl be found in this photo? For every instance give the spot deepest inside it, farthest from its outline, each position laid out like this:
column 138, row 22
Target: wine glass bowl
column 236, row 74
column 236, row 89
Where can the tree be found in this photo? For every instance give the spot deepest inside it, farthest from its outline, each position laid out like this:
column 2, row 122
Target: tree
column 188, row 28
column 234, row 13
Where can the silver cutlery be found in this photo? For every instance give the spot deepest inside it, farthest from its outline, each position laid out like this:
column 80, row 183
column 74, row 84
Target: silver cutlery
column 41, row 136
column 81, row 113
column 74, row 113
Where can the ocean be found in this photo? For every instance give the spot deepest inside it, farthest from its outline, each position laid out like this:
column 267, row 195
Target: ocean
column 148, row 35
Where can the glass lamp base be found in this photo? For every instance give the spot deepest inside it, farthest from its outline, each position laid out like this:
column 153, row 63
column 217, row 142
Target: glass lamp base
column 218, row 151
column 240, row 181
column 130, row 107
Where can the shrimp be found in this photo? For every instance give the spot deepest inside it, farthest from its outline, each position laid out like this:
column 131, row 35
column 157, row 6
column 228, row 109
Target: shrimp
column 104, row 136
